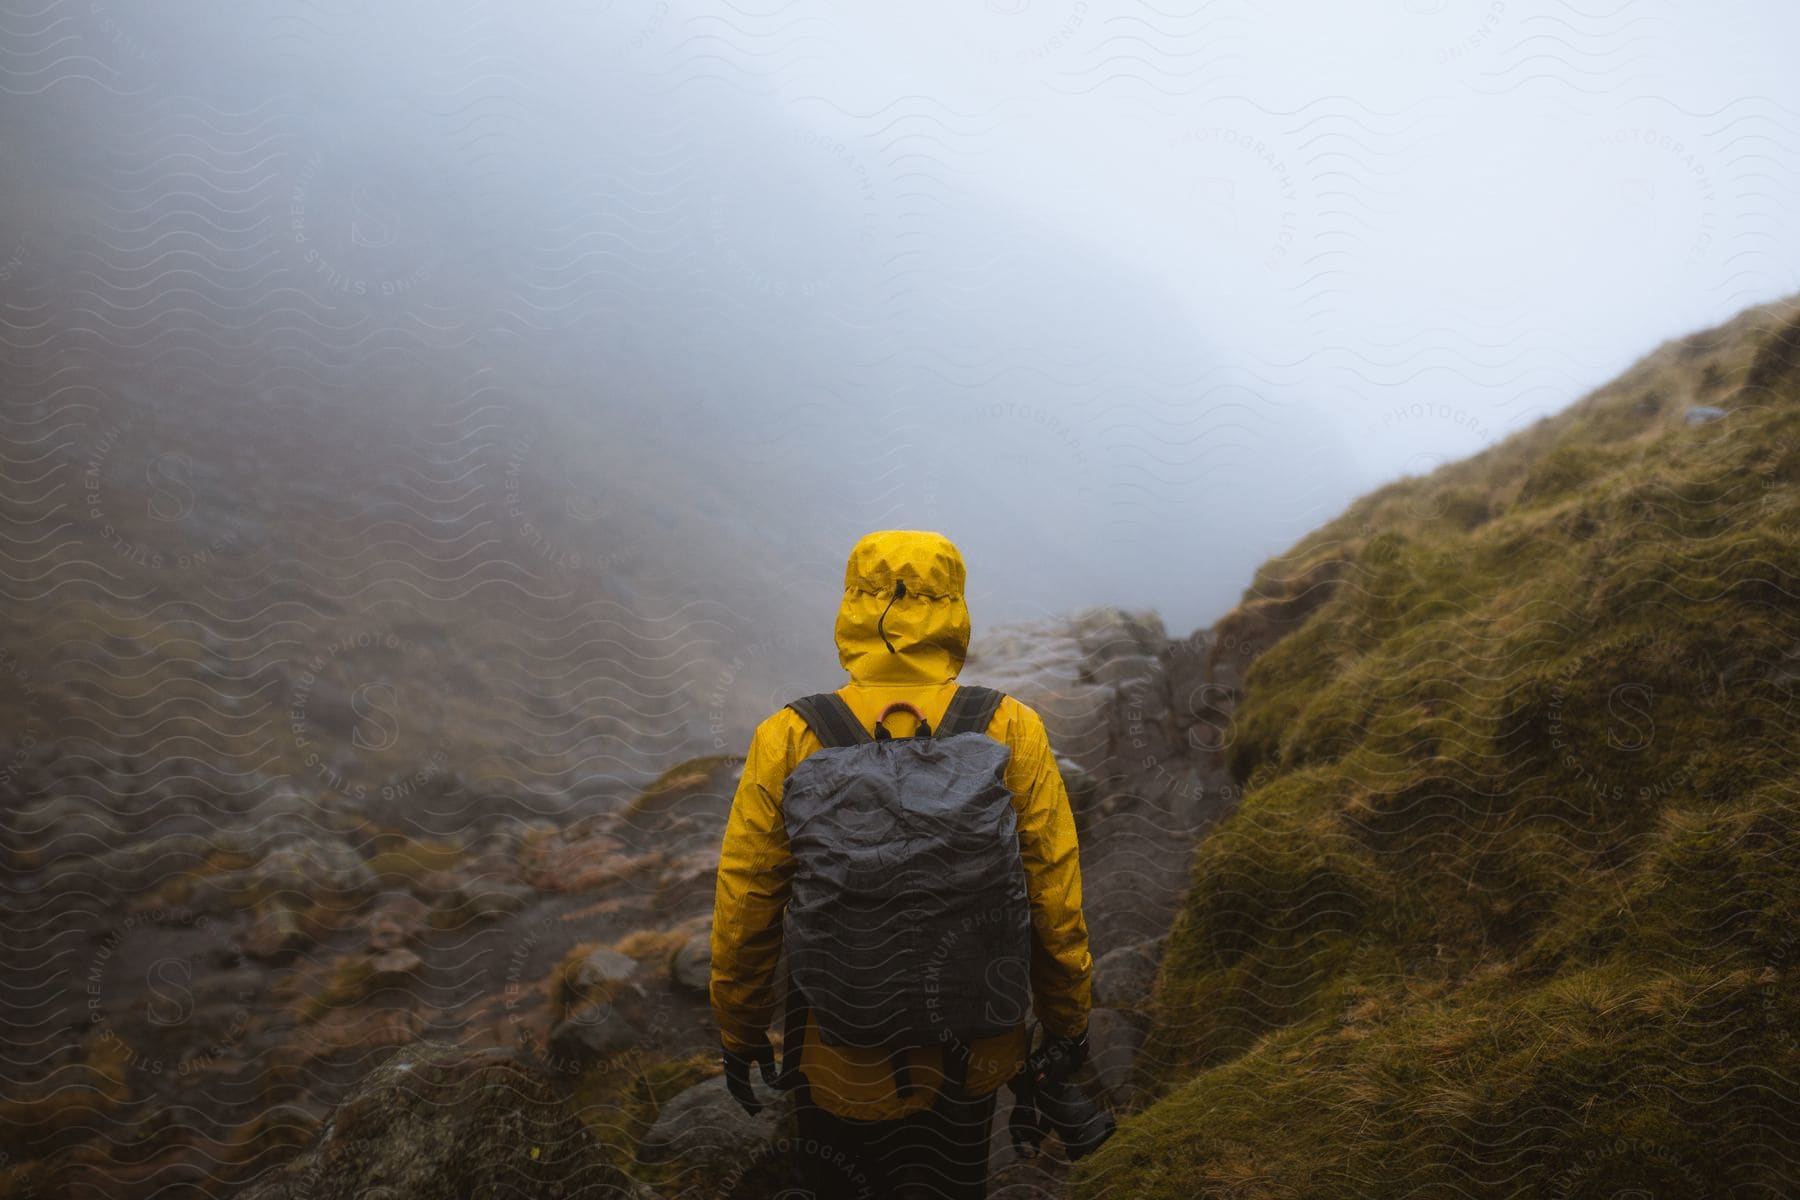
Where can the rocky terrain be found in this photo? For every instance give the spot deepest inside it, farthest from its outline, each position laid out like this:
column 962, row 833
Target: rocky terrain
column 1473, row 820
column 206, row 967
column 359, row 705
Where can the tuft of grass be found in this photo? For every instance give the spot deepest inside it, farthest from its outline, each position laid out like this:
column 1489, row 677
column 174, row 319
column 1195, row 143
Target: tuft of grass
column 347, row 984
column 652, row 944
column 620, row 1101
column 673, row 784
column 401, row 861
column 565, row 993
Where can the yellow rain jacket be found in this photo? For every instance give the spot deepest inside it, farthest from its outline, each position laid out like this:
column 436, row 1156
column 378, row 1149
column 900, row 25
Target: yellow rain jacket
column 928, row 628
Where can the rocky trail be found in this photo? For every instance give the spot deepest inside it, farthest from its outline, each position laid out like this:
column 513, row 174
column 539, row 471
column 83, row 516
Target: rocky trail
column 227, row 986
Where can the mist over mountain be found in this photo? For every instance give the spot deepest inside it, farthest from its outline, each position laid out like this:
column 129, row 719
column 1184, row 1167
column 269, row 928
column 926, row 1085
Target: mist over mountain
column 652, row 250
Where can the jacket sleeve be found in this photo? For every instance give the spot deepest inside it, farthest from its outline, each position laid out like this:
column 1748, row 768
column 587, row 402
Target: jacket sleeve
column 1061, row 967
column 755, row 869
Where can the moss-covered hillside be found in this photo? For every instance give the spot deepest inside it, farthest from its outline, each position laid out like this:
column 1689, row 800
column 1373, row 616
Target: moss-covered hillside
column 1512, row 905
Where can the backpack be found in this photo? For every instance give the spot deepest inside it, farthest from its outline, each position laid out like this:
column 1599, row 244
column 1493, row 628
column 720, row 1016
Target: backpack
column 909, row 922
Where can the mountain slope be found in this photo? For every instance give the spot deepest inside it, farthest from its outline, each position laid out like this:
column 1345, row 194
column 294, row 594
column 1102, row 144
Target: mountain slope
column 1509, row 905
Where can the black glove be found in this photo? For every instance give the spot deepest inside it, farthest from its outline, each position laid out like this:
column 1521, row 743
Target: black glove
column 1063, row 1056
column 1025, row 1126
column 737, row 1073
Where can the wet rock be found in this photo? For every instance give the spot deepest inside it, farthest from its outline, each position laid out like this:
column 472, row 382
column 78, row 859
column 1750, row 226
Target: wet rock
column 573, row 860
column 1114, row 1040
column 1084, row 795
column 357, row 1030
column 393, row 968
column 1123, row 977
column 1071, row 669
column 596, row 1030
column 598, row 976
column 708, row 1130
column 436, row 801
column 283, row 814
column 1117, row 646
column 395, row 922
column 479, row 899
column 387, row 933
column 436, row 1122
column 688, row 880
column 139, row 866
column 275, row 934
column 1138, row 723
column 690, row 966
column 329, row 872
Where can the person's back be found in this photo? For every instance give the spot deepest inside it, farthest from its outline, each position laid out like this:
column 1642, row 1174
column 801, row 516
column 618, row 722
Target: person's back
column 902, row 633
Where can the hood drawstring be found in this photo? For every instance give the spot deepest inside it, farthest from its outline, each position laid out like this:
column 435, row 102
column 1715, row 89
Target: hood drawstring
column 899, row 591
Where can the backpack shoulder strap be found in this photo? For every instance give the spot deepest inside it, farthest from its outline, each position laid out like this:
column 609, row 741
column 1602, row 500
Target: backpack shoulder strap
column 831, row 719
column 970, row 710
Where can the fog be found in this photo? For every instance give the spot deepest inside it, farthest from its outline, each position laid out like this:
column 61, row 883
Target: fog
column 1123, row 298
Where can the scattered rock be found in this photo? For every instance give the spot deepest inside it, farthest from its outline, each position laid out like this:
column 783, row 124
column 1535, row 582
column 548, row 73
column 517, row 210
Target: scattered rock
column 688, row 879
column 139, row 866
column 1700, row 414
column 357, row 1030
column 480, row 899
column 437, row 1122
column 568, row 861
column 292, row 875
column 329, row 871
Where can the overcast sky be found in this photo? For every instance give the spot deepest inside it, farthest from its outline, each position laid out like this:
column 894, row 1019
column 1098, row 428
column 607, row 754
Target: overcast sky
column 1123, row 297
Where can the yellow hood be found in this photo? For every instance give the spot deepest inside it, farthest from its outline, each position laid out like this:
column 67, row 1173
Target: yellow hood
column 927, row 626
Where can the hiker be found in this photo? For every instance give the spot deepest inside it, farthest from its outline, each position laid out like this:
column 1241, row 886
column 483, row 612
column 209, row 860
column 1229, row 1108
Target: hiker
column 894, row 1119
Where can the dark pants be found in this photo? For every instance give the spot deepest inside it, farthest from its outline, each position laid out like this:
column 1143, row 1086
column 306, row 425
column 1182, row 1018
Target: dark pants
column 939, row 1153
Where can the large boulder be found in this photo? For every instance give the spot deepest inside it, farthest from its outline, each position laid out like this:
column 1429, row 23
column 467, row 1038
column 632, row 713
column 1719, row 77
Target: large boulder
column 594, row 1031
column 1071, row 669
column 437, row 1122
column 600, row 974
column 605, row 1010
column 709, row 1132
column 1123, row 977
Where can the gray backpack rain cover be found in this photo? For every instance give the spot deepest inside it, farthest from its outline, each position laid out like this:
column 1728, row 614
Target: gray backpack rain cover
column 908, row 922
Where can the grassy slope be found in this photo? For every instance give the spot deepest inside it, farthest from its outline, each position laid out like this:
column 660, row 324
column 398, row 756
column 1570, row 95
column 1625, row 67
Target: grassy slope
column 1513, row 904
